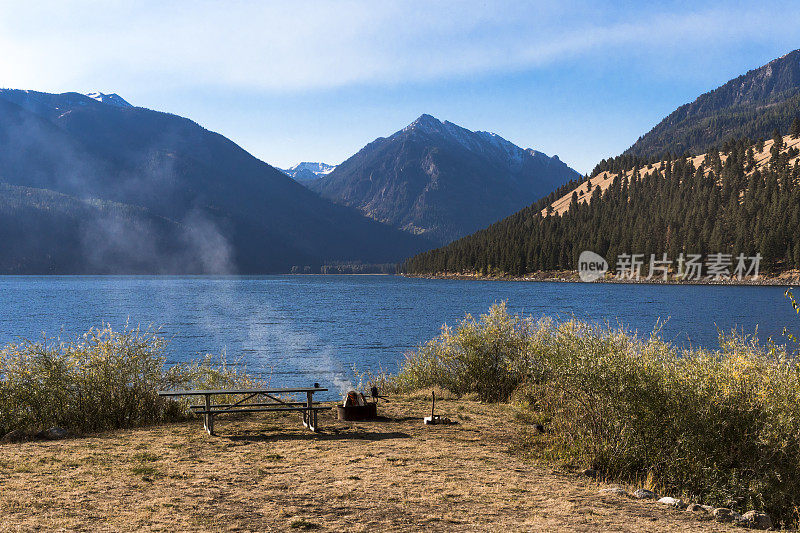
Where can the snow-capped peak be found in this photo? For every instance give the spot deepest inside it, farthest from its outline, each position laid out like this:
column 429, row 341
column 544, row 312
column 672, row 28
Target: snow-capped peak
column 319, row 169
column 308, row 171
column 478, row 141
column 111, row 99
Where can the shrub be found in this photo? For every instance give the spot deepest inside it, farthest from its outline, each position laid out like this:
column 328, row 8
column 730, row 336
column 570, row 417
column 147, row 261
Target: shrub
column 719, row 426
column 102, row 380
column 490, row 357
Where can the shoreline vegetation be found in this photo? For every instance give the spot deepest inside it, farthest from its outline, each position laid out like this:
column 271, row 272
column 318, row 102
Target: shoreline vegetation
column 783, row 279
column 102, row 380
column 715, row 427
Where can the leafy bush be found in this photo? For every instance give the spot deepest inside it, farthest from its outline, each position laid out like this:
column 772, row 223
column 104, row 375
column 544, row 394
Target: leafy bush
column 490, row 357
column 719, row 426
column 102, row 380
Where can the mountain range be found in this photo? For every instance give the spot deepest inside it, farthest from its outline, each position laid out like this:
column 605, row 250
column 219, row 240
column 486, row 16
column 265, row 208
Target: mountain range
column 744, row 199
column 732, row 193
column 442, row 181
column 91, row 184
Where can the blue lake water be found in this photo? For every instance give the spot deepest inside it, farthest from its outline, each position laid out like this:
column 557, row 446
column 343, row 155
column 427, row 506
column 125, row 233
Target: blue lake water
column 299, row 329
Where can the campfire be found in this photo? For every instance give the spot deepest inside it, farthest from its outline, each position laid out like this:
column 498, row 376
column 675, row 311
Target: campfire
column 355, row 406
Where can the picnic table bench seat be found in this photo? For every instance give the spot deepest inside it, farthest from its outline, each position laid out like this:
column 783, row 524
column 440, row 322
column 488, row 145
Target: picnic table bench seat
column 209, row 409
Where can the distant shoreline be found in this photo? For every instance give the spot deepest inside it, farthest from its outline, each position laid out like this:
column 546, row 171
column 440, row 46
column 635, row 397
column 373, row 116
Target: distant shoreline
column 338, row 274
column 785, row 279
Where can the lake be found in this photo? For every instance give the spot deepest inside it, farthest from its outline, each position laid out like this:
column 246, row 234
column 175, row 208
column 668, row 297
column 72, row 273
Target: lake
column 296, row 330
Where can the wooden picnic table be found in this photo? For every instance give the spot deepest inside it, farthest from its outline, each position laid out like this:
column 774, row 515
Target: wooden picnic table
column 273, row 403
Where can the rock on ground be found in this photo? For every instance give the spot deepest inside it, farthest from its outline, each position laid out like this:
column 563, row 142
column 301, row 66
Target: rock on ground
column 756, row 520
column 673, row 502
column 644, row 494
column 722, row 514
column 619, row 491
column 54, row 433
column 16, row 435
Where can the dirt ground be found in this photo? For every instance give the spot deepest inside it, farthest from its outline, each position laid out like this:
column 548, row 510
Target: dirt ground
column 267, row 473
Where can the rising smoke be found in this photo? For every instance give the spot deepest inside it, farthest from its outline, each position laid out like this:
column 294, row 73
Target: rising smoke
column 272, row 339
column 119, row 209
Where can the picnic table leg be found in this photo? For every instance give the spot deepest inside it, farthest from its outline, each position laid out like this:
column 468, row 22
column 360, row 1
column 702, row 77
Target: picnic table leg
column 209, row 418
column 309, row 413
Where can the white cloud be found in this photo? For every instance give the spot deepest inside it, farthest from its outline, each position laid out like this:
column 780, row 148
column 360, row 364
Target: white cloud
column 290, row 46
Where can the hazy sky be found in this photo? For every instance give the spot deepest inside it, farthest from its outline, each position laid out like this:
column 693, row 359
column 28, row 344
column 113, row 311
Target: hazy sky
column 314, row 81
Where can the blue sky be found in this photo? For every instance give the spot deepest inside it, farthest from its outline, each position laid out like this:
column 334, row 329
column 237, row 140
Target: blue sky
column 300, row 81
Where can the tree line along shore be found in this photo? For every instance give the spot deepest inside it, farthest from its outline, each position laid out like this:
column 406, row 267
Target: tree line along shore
column 784, row 279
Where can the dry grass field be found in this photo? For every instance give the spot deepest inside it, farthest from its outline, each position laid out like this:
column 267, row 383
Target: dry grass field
column 266, row 473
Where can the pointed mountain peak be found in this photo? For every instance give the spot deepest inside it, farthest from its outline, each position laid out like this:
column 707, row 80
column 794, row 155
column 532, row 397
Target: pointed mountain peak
column 426, row 119
column 308, row 171
column 432, row 126
column 111, row 99
column 441, row 180
column 425, row 123
column 476, row 141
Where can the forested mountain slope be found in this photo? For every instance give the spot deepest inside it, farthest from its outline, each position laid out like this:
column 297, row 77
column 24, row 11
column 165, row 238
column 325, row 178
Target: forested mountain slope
column 750, row 106
column 743, row 198
column 226, row 210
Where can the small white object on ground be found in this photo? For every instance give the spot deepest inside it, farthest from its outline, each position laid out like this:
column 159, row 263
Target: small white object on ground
column 673, row 502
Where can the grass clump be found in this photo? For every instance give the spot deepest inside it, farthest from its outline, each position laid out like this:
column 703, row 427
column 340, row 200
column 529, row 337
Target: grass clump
column 719, row 426
column 102, row 380
column 146, row 457
column 144, row 470
column 302, row 523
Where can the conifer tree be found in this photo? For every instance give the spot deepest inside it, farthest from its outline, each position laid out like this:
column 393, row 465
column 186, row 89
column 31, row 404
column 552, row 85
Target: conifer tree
column 777, row 139
column 794, row 129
